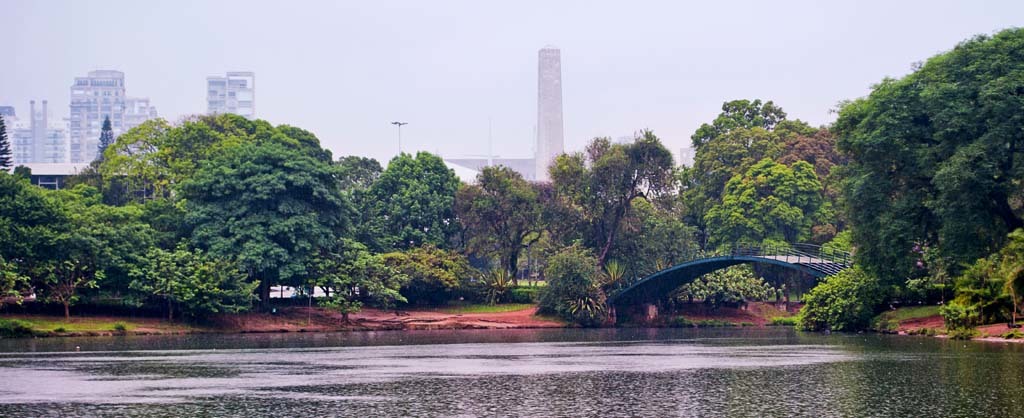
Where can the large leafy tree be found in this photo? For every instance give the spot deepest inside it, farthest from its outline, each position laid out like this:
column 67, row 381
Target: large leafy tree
column 501, row 213
column 411, row 204
column 6, row 155
column 353, row 276
column 602, row 184
column 771, row 201
column 358, row 173
column 268, row 203
column 743, row 134
column 739, row 114
column 936, row 157
column 194, row 283
column 433, row 273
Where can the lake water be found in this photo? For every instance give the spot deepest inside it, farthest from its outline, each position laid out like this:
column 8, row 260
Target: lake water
column 608, row 372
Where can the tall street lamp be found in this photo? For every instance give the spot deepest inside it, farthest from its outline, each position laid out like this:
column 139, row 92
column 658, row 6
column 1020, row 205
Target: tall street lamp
column 399, row 125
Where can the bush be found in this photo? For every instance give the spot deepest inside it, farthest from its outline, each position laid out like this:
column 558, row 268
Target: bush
column 573, row 292
column 714, row 323
column 60, row 329
column 523, row 295
column 120, row 326
column 1013, row 334
column 963, row 333
column 682, row 322
column 12, row 328
column 732, row 286
column 843, row 302
column 784, row 321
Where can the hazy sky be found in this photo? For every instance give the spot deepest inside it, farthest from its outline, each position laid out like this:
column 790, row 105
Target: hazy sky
column 344, row 70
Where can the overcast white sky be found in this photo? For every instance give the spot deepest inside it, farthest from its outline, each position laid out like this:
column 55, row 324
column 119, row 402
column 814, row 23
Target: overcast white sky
column 344, row 70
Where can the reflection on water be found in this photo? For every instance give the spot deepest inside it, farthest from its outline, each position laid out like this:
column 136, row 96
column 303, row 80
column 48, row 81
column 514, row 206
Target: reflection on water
column 742, row 372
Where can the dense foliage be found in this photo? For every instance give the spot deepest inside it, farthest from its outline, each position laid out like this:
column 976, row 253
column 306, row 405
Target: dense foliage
column 843, row 302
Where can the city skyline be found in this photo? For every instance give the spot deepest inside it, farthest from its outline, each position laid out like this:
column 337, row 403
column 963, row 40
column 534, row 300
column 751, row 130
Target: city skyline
column 448, row 75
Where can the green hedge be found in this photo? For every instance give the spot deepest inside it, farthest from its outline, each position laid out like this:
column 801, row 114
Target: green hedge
column 522, row 295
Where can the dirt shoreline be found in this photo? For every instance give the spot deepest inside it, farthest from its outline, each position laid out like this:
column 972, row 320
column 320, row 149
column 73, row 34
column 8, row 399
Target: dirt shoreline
column 302, row 319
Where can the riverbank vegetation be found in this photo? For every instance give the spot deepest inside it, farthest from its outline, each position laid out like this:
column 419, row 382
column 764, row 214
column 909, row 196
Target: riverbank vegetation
column 921, row 180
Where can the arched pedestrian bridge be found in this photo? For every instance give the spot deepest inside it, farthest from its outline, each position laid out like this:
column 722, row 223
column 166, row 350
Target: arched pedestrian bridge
column 811, row 259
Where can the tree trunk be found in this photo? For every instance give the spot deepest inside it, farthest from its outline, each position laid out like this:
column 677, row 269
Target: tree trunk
column 67, row 311
column 170, row 310
column 513, row 266
column 264, row 294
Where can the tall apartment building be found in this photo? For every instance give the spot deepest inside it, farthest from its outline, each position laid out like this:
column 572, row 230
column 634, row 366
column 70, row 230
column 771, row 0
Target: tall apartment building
column 37, row 141
column 138, row 110
column 95, row 97
column 233, row 93
column 550, row 141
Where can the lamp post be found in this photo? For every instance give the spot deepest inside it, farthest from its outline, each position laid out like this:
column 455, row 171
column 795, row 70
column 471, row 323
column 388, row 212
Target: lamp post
column 399, row 125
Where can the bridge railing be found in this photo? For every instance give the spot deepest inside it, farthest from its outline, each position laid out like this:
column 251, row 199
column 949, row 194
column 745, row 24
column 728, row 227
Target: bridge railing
column 816, row 257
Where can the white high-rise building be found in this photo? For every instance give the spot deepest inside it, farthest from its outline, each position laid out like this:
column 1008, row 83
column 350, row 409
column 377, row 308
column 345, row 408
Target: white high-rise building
column 98, row 96
column 550, row 141
column 138, row 110
column 36, row 141
column 233, row 93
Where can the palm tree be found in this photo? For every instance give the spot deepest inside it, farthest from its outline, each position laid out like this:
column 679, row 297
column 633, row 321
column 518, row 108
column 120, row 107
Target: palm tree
column 1013, row 274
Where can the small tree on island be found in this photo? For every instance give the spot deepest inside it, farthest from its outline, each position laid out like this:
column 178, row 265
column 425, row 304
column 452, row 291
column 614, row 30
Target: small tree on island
column 6, row 155
column 106, row 137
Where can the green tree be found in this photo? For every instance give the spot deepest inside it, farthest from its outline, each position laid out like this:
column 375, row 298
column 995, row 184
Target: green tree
column 6, row 155
column 846, row 301
column 733, row 286
column 13, row 284
column 267, row 203
column 739, row 114
column 574, row 291
column 771, row 201
column 935, row 158
column 354, row 276
column 411, row 204
column 501, row 214
column 358, row 173
column 196, row 284
column 30, row 221
column 106, row 137
column 602, row 185
column 432, row 273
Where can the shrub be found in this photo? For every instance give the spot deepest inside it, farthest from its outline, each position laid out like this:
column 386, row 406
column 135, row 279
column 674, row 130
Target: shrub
column 784, row 321
column 963, row 333
column 12, row 328
column 727, row 287
column 120, row 326
column 714, row 323
column 1013, row 334
column 573, row 292
column 523, row 295
column 682, row 322
column 843, row 302
column 60, row 329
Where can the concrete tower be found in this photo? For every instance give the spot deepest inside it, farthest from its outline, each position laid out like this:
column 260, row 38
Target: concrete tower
column 550, row 141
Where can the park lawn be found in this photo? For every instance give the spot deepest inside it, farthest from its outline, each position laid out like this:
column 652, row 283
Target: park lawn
column 484, row 308
column 908, row 312
column 97, row 324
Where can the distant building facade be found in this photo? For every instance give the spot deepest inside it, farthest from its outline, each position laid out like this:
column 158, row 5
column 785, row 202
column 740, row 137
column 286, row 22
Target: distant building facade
column 35, row 140
column 550, row 135
column 235, row 92
column 138, row 110
column 524, row 166
column 53, row 176
column 99, row 95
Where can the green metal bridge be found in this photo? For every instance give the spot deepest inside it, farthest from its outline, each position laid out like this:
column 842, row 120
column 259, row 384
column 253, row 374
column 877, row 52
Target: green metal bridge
column 811, row 259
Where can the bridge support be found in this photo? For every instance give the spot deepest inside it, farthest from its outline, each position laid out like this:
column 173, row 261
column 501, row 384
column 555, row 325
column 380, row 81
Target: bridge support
column 650, row 312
